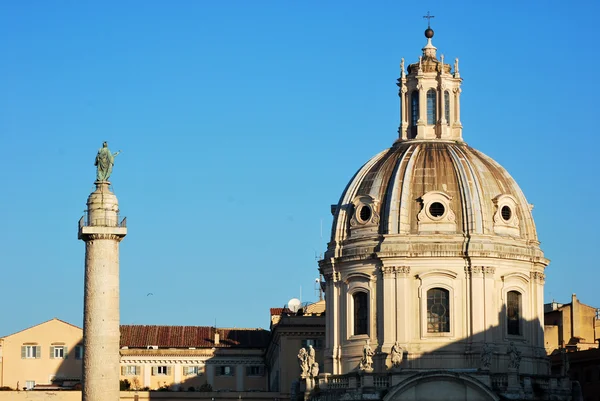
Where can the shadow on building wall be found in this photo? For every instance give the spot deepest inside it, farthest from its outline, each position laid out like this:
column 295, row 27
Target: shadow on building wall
column 505, row 362
column 486, row 352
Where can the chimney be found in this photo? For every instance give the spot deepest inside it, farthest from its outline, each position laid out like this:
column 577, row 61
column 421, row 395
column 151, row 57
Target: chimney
column 217, row 337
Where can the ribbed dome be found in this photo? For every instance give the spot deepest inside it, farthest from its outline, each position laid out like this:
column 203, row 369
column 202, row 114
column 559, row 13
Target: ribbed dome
column 400, row 186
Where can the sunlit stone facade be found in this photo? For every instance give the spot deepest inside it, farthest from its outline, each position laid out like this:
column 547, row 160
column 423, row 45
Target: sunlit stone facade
column 434, row 252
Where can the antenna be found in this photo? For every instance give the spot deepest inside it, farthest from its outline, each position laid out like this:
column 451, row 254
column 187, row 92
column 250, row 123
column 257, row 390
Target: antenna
column 321, row 230
column 318, row 290
column 294, row 304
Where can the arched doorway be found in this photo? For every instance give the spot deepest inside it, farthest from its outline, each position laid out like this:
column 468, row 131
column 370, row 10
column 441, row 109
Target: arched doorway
column 441, row 386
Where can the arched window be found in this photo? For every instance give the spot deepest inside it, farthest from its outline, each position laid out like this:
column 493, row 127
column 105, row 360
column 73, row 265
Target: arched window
column 438, row 311
column 414, row 108
column 513, row 313
column 361, row 313
column 447, row 107
column 431, row 107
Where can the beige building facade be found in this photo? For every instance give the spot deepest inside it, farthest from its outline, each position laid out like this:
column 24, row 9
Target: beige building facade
column 180, row 357
column 50, row 352
column 574, row 326
column 291, row 331
column 49, row 356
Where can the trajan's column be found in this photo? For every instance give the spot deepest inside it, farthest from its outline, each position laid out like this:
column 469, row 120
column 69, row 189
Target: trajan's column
column 101, row 231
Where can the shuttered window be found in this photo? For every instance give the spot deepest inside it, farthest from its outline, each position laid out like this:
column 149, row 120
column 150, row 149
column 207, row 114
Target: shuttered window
column 161, row 370
column 79, row 352
column 131, row 370
column 193, row 370
column 58, row 352
column 225, row 371
column 255, row 371
column 31, row 352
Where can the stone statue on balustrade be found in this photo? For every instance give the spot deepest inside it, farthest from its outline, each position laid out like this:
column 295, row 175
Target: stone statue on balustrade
column 486, row 356
column 514, row 356
column 303, row 361
column 366, row 362
column 397, row 354
column 104, row 162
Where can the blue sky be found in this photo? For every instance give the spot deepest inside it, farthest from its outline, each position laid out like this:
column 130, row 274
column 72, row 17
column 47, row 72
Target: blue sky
column 240, row 122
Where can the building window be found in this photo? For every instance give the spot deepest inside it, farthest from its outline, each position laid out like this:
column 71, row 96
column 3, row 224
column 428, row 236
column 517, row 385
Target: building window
column 225, row 371
column 29, row 384
column 79, row 352
column 438, row 307
column 513, row 313
column 431, row 107
column 193, row 370
column 31, row 352
column 414, row 107
column 414, row 112
column 315, row 342
column 255, row 371
column 447, row 107
column 361, row 313
column 132, row 370
column 161, row 370
column 58, row 352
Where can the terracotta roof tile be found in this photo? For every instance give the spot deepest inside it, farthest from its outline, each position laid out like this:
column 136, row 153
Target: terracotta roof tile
column 279, row 311
column 139, row 336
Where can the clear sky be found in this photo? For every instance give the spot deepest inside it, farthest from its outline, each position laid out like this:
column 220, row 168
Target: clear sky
column 240, row 123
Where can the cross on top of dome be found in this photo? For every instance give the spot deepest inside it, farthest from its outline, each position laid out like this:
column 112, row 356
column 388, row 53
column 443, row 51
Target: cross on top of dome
column 429, row 31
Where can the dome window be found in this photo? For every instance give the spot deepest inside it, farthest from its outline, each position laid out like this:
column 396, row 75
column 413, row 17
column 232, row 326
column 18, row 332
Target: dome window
column 506, row 221
column 447, row 106
column 364, row 213
column 436, row 209
column 361, row 313
column 438, row 318
column 436, row 214
column 365, row 217
column 513, row 313
column 414, row 112
column 431, row 107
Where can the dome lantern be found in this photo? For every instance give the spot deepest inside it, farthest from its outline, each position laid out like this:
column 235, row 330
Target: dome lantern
column 430, row 97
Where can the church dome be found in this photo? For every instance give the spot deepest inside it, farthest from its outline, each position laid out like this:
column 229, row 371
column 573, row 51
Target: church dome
column 433, row 187
column 433, row 247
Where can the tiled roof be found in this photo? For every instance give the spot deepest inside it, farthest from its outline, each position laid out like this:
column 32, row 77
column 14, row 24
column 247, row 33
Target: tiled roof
column 138, row 336
column 279, row 311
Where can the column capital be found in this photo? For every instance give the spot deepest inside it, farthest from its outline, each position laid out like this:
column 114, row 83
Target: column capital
column 538, row 276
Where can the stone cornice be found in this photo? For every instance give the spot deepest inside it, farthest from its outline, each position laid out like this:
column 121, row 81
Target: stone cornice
column 94, row 237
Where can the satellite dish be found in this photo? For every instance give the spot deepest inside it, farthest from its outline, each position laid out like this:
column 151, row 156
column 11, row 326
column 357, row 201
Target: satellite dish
column 294, row 304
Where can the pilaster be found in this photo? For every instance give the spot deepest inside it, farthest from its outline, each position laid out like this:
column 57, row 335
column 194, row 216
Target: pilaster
column 403, row 305
column 389, row 307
